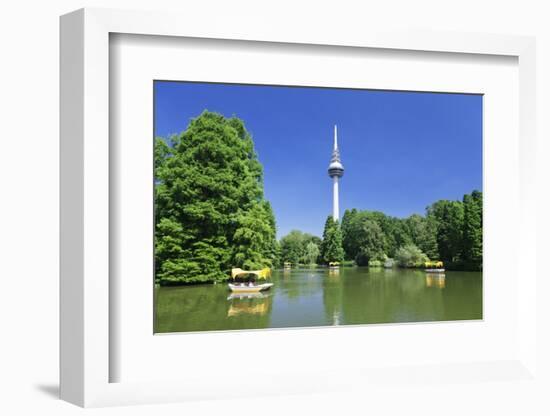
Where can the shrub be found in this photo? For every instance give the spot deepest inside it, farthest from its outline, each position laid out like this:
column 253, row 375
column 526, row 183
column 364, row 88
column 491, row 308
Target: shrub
column 410, row 256
column 365, row 257
column 389, row 263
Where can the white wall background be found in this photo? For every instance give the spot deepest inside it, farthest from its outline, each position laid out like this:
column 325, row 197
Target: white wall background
column 29, row 57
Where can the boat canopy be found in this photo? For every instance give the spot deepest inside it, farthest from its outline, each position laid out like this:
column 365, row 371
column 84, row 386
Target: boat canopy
column 433, row 264
column 260, row 274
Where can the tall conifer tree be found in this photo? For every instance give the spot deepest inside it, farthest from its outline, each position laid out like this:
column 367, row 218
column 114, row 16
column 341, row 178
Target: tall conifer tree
column 210, row 210
column 473, row 228
column 331, row 247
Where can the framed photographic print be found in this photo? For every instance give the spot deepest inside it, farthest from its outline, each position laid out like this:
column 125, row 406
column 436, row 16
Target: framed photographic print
column 311, row 205
column 257, row 227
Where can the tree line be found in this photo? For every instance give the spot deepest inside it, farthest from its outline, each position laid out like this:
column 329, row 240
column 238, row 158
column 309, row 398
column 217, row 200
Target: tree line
column 450, row 231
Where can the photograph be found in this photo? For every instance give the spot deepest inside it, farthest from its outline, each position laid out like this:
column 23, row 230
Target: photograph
column 303, row 206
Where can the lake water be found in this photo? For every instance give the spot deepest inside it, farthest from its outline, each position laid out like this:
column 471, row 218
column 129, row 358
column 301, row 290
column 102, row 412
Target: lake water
column 321, row 297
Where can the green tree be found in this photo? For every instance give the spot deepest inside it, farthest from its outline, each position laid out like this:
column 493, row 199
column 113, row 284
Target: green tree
column 372, row 243
column 311, row 253
column 472, row 250
column 292, row 247
column 271, row 245
column 423, row 232
column 429, row 242
column 331, row 247
column 410, row 256
column 253, row 241
column 209, row 203
column 295, row 248
column 399, row 235
column 347, row 233
column 351, row 232
column 449, row 217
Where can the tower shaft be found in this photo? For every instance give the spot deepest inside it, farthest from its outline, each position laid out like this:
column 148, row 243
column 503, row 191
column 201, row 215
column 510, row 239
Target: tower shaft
column 335, row 199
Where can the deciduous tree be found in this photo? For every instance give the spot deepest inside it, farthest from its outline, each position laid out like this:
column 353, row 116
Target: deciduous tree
column 410, row 256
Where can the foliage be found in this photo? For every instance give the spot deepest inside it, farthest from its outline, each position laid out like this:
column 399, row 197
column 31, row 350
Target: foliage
column 391, row 234
column 423, row 234
column 254, row 240
column 449, row 217
column 450, row 231
column 291, row 247
column 331, row 247
column 410, row 256
column 472, row 250
column 371, row 243
column 210, row 211
column 298, row 247
column 376, row 263
column 312, row 253
column 349, row 242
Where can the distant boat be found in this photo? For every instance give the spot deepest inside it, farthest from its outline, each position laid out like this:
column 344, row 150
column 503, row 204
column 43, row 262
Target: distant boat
column 334, row 265
column 434, row 267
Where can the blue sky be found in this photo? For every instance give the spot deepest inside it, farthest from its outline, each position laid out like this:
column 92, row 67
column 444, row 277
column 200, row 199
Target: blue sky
column 401, row 150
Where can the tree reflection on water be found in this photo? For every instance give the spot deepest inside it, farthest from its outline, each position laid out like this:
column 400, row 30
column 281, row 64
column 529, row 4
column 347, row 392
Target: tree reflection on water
column 323, row 297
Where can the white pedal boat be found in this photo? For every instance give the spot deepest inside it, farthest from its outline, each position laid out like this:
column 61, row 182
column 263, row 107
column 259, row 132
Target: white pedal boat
column 248, row 288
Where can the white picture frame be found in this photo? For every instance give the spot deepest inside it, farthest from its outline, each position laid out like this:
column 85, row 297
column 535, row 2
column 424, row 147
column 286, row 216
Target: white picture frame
column 85, row 211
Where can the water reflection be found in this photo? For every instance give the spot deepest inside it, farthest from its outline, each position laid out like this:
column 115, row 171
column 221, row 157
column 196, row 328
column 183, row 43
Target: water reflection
column 435, row 280
column 251, row 295
column 321, row 296
column 333, row 271
column 251, row 303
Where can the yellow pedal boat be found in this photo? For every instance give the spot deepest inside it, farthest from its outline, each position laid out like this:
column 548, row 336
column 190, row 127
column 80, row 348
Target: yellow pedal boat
column 250, row 287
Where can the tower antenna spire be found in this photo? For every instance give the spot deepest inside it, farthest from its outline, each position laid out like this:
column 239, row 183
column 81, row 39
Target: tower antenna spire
column 335, row 137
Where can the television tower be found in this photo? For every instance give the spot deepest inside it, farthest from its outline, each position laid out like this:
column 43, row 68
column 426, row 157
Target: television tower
column 335, row 171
